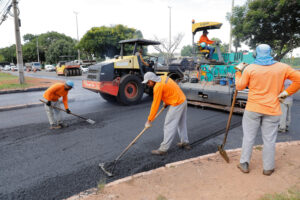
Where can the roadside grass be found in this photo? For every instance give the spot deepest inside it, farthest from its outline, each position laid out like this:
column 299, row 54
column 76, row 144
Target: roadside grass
column 9, row 81
column 296, row 67
column 291, row 194
column 161, row 197
column 101, row 185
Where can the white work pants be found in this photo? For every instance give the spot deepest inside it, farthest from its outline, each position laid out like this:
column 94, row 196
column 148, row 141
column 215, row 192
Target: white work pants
column 286, row 117
column 54, row 115
column 252, row 121
column 175, row 121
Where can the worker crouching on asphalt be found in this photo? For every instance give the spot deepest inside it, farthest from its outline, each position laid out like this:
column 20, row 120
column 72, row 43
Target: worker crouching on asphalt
column 165, row 89
column 52, row 94
column 265, row 79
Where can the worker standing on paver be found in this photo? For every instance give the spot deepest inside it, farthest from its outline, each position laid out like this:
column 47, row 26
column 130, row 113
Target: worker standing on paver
column 286, row 109
column 165, row 89
column 52, row 94
column 264, row 78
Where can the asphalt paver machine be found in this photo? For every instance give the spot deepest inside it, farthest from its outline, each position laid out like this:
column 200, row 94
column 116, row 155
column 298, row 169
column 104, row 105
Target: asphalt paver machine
column 210, row 83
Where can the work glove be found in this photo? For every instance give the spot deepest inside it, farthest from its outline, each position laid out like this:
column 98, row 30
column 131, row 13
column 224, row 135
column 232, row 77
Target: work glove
column 148, row 124
column 282, row 96
column 68, row 111
column 48, row 103
column 240, row 66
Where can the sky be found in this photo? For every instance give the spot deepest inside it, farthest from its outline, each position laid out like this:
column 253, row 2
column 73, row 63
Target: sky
column 149, row 16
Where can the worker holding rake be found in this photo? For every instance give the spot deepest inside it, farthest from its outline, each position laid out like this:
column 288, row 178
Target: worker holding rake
column 167, row 90
column 52, row 94
column 265, row 79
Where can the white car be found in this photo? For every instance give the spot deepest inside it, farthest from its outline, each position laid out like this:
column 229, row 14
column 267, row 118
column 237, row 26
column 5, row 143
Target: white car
column 84, row 69
column 7, row 67
column 49, row 68
column 14, row 68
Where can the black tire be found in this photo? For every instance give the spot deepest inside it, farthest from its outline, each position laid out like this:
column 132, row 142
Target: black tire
column 108, row 97
column 66, row 72
column 130, row 90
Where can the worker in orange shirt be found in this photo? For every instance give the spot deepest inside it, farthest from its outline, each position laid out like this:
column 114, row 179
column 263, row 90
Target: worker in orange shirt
column 167, row 90
column 52, row 94
column 205, row 39
column 265, row 80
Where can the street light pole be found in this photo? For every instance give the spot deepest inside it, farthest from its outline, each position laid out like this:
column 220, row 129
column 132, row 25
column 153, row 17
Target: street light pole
column 76, row 13
column 18, row 43
column 230, row 37
column 37, row 48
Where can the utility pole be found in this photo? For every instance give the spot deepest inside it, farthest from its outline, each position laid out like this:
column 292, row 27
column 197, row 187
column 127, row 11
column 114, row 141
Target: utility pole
column 18, row 43
column 76, row 13
column 230, row 37
column 37, row 48
column 169, row 49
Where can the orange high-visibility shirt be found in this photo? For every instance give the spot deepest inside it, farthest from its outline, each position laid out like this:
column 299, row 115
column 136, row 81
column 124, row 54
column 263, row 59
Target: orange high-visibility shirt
column 205, row 39
column 169, row 92
column 265, row 84
column 56, row 91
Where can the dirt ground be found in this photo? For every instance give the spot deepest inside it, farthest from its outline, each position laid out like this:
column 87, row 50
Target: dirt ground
column 209, row 178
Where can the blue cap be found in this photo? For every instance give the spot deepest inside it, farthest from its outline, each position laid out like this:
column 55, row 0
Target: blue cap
column 70, row 83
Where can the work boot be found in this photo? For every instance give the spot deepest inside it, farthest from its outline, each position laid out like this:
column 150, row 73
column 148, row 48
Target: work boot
column 184, row 145
column 244, row 167
column 52, row 127
column 281, row 130
column 268, row 172
column 63, row 125
column 158, row 152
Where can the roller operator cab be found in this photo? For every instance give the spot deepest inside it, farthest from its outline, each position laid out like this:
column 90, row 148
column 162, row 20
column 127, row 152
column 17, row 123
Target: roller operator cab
column 211, row 81
column 120, row 79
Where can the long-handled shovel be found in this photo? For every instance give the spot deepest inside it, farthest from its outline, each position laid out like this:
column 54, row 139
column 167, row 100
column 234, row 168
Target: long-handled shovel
column 105, row 166
column 86, row 119
column 221, row 147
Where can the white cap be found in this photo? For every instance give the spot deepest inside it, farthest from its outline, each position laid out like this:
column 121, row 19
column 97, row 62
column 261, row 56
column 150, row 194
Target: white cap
column 150, row 76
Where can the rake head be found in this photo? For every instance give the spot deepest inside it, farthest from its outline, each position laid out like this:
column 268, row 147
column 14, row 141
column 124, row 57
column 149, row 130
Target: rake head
column 223, row 153
column 108, row 168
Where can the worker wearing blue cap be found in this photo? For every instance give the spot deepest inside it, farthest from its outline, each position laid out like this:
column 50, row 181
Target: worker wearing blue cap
column 52, row 94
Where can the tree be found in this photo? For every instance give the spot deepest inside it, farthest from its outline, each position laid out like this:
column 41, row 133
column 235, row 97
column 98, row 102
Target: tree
column 166, row 49
column 104, row 41
column 9, row 54
column 273, row 22
column 187, row 50
column 223, row 47
column 60, row 48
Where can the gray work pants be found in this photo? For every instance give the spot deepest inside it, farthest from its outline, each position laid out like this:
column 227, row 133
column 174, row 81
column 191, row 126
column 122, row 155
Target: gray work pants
column 286, row 117
column 175, row 121
column 54, row 115
column 252, row 121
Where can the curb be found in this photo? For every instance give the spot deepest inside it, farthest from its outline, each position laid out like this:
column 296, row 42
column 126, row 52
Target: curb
column 93, row 191
column 20, row 106
column 23, row 90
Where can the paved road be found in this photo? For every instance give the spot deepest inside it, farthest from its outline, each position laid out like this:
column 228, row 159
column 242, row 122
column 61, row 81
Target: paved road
column 37, row 163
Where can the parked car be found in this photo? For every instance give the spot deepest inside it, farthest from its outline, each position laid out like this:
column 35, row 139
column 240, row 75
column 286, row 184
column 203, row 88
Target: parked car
column 7, row 68
column 14, row 68
column 1, row 68
column 49, row 68
column 84, row 69
column 36, row 66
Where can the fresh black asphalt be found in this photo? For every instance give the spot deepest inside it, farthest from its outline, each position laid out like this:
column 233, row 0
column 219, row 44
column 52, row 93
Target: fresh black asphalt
column 38, row 163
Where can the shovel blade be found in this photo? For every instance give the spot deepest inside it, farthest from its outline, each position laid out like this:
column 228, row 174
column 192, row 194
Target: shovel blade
column 223, row 153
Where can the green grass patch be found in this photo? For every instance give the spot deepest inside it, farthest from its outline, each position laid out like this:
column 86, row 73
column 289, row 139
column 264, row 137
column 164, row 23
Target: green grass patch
column 14, row 86
column 101, row 185
column 161, row 197
column 6, row 76
column 259, row 148
column 296, row 67
column 291, row 194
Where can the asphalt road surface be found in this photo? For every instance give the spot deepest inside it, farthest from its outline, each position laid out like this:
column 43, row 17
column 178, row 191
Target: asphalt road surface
column 38, row 163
